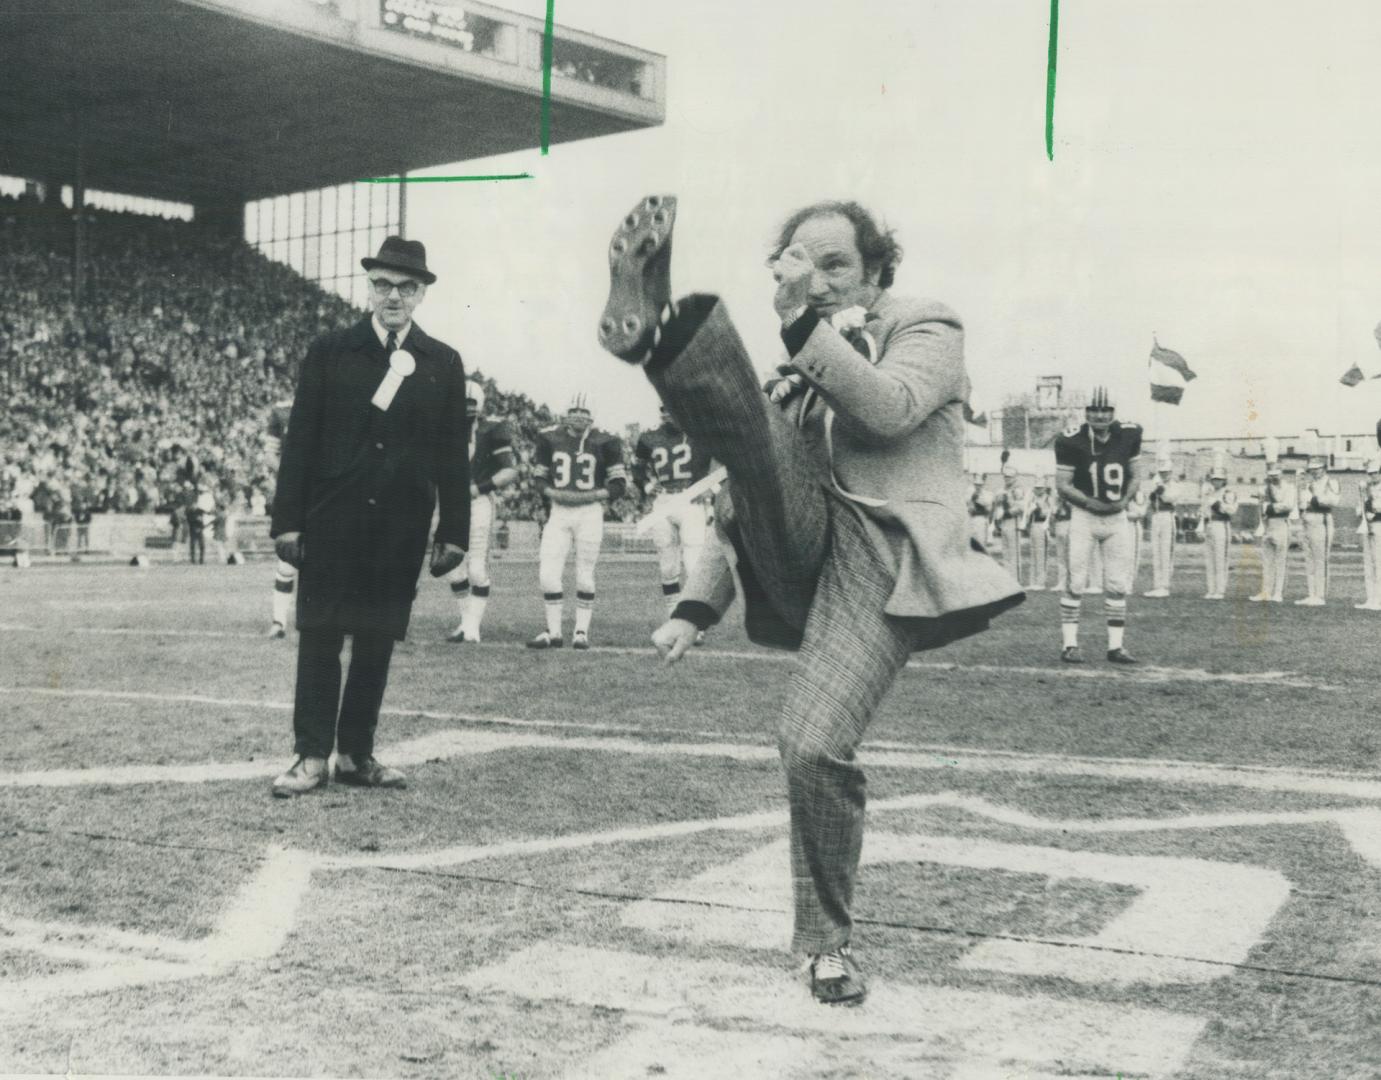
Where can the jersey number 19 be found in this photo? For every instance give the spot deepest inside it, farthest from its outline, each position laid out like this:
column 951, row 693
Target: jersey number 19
column 1113, row 478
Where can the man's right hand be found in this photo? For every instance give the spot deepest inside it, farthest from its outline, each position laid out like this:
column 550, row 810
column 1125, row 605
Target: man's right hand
column 288, row 547
column 673, row 638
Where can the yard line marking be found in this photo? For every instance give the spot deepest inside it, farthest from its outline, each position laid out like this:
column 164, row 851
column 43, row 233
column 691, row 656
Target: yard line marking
column 1192, row 921
column 1145, row 673
column 969, row 1025
column 889, row 754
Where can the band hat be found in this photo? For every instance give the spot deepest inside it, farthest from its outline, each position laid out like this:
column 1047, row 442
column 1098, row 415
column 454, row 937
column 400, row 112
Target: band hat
column 405, row 256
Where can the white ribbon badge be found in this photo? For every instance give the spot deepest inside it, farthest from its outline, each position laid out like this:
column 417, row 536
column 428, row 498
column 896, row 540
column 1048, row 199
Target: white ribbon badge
column 400, row 366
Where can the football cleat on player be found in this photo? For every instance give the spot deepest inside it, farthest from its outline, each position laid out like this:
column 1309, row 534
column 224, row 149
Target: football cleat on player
column 1121, row 656
column 1071, row 655
column 1097, row 474
column 492, row 468
column 577, row 468
column 545, row 640
column 580, row 641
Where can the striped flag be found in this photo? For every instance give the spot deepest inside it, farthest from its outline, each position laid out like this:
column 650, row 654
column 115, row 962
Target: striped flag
column 1169, row 374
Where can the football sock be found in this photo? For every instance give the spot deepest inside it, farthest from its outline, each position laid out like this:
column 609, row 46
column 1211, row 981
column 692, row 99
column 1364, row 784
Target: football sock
column 584, row 611
column 461, row 591
column 552, row 602
column 1069, row 621
column 282, row 598
column 671, row 594
column 1116, row 611
column 472, row 613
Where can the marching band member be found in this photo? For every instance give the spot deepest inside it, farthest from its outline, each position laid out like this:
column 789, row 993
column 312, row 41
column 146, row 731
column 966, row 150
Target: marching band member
column 980, row 503
column 1162, row 509
column 1317, row 500
column 1278, row 505
column 1369, row 509
column 1036, row 516
column 1219, row 504
column 1006, row 519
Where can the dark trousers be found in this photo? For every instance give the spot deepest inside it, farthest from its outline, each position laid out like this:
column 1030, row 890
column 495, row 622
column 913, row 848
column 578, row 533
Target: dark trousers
column 196, row 545
column 315, row 727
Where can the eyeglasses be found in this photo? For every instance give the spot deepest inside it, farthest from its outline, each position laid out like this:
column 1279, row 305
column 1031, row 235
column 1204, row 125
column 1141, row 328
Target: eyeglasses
column 382, row 287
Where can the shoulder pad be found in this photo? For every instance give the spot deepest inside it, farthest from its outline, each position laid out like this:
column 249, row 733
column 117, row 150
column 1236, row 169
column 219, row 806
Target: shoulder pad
column 1071, row 432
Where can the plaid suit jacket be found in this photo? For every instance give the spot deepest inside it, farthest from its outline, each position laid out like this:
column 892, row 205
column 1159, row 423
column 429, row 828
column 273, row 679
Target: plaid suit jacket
column 894, row 441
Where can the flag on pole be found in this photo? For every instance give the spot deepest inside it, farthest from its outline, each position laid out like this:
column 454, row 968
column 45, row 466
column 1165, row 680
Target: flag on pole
column 1352, row 376
column 1169, row 374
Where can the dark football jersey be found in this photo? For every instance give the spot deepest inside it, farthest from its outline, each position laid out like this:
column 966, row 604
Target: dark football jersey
column 666, row 453
column 491, row 449
column 1100, row 472
column 581, row 462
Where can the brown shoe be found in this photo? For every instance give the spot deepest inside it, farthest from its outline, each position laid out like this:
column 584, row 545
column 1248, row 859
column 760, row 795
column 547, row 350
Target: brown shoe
column 304, row 775
column 836, row 979
column 364, row 770
column 639, row 278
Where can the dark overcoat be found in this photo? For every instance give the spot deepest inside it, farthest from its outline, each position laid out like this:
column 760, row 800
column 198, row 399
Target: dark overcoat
column 361, row 484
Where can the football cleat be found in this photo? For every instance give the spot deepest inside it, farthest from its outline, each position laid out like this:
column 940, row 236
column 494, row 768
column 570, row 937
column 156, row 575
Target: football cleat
column 580, row 640
column 1258, row 598
column 1121, row 656
column 639, row 278
column 699, row 638
column 276, row 631
column 461, row 636
column 1072, row 655
column 545, row 641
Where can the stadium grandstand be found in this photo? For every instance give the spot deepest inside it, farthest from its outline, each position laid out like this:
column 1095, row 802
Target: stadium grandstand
column 173, row 234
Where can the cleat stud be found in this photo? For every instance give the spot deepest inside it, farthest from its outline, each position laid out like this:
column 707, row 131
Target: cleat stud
column 631, row 221
column 631, row 324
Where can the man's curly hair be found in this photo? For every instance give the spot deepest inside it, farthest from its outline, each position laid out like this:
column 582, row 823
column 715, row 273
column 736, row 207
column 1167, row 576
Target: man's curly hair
column 877, row 245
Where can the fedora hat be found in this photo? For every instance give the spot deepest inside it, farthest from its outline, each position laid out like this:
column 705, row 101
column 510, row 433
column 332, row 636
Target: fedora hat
column 406, row 256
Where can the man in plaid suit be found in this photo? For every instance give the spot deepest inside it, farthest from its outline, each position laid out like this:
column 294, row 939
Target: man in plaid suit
column 846, row 507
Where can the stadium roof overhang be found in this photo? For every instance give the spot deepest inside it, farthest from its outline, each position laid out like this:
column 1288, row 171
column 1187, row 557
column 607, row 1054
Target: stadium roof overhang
column 214, row 102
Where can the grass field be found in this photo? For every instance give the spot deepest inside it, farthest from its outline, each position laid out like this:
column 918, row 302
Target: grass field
column 1168, row 871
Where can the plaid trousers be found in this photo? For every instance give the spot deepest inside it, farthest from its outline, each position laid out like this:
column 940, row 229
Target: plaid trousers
column 812, row 558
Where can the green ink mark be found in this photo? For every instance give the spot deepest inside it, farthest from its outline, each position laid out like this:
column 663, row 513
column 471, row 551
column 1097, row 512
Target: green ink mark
column 1050, row 80
column 546, row 75
column 440, row 179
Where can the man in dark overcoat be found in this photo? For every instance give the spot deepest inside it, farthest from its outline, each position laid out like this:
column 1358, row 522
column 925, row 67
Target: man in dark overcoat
column 377, row 436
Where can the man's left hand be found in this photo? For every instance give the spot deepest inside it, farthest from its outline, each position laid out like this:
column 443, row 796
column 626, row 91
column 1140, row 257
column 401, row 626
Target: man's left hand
column 445, row 558
column 792, row 271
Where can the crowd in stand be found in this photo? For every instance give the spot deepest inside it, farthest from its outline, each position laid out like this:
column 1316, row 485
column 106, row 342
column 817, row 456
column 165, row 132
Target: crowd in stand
column 154, row 391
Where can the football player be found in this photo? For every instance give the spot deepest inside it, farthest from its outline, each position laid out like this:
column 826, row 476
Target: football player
column 578, row 468
column 1162, row 509
column 1278, row 505
column 284, row 573
column 1006, row 519
column 665, row 463
column 1097, row 472
column 1219, row 504
column 1036, row 516
column 1317, row 499
column 1369, row 511
column 492, row 468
